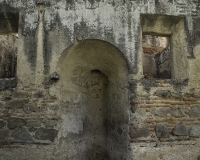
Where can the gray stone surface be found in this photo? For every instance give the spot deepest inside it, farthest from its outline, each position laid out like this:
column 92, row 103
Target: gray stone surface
column 14, row 122
column 160, row 112
column 162, row 131
column 51, row 123
column 7, row 83
column 46, row 134
column 140, row 132
column 194, row 131
column 54, row 76
column 3, row 134
column 176, row 95
column 33, row 124
column 33, row 129
column 194, row 111
column 2, row 124
column 15, row 104
column 38, row 94
column 21, row 94
column 31, row 108
column 177, row 111
column 163, row 93
column 7, row 93
column 180, row 130
column 21, row 134
column 1, row 104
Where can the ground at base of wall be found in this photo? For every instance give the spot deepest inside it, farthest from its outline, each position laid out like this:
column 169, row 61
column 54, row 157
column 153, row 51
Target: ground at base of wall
column 140, row 151
column 165, row 152
column 31, row 152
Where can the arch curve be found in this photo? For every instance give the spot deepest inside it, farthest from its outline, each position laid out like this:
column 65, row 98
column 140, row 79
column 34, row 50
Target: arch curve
column 100, row 54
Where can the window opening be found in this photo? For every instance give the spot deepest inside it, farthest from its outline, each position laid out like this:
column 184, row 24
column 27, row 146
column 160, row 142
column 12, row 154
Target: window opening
column 156, row 57
column 175, row 29
column 8, row 56
column 8, row 44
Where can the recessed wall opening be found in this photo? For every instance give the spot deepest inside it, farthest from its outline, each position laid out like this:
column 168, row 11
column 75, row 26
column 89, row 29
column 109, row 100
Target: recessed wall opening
column 156, row 57
column 8, row 56
column 93, row 86
column 8, row 44
column 95, row 71
column 170, row 34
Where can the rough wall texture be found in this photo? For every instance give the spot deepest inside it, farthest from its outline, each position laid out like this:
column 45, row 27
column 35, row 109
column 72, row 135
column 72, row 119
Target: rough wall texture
column 81, row 92
column 8, row 56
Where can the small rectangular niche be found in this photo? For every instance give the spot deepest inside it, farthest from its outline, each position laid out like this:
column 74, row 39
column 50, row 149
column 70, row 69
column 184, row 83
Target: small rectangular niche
column 156, row 57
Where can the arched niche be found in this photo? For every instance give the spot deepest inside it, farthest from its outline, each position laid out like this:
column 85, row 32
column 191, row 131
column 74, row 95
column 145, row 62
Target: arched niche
column 94, row 93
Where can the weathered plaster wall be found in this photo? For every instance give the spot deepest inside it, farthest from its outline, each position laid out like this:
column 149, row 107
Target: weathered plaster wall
column 44, row 117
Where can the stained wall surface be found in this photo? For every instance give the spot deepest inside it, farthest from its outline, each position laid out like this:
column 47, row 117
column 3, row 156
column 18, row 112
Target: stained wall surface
column 80, row 91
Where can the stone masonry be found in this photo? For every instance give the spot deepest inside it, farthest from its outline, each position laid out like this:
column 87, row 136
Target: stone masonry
column 72, row 84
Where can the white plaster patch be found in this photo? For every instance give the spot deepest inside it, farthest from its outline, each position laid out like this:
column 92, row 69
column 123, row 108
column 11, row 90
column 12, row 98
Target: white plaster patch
column 71, row 123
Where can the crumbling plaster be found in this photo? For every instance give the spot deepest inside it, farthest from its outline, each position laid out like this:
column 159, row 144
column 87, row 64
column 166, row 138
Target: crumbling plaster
column 114, row 21
column 141, row 104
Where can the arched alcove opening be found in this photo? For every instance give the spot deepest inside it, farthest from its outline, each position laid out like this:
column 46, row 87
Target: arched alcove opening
column 93, row 89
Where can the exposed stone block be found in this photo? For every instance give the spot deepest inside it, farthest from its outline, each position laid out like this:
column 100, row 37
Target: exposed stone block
column 3, row 134
column 180, row 130
column 133, row 102
column 32, row 129
column 46, row 134
column 38, row 94
column 21, row 94
column 51, row 123
column 137, row 133
column 21, row 134
column 1, row 105
column 54, row 76
column 194, row 111
column 7, row 93
column 14, row 82
column 176, row 95
column 31, row 108
column 14, row 122
column 160, row 112
column 2, row 124
column 7, row 83
column 163, row 93
column 33, row 124
column 15, row 104
column 177, row 111
column 2, row 84
column 162, row 131
column 132, row 86
column 194, row 131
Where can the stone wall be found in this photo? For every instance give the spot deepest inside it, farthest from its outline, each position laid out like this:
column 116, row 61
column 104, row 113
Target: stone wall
column 80, row 91
column 169, row 116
